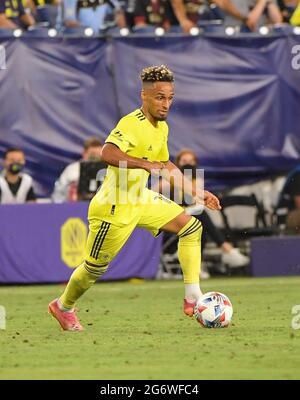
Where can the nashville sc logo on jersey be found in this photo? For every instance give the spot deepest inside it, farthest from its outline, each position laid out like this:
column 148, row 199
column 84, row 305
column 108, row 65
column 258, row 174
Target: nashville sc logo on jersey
column 73, row 238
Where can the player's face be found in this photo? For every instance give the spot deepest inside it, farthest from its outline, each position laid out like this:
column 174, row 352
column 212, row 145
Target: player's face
column 157, row 99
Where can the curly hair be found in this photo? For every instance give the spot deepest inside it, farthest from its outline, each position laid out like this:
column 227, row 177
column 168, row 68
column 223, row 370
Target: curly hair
column 157, row 74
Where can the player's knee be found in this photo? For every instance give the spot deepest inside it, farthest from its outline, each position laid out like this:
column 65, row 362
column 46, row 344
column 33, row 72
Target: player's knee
column 191, row 232
column 86, row 274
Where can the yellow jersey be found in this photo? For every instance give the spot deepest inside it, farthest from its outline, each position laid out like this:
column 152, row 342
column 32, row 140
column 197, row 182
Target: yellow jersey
column 124, row 190
column 295, row 20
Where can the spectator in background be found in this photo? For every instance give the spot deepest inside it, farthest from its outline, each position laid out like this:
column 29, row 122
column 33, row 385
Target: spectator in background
column 187, row 13
column 287, row 8
column 15, row 186
column 288, row 205
column 288, row 209
column 258, row 13
column 187, row 160
column 13, row 15
column 66, row 186
column 293, row 219
column 43, row 10
column 156, row 13
column 93, row 14
column 190, row 13
column 128, row 7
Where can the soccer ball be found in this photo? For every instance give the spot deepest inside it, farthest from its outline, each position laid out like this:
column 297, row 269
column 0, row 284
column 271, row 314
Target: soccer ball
column 213, row 310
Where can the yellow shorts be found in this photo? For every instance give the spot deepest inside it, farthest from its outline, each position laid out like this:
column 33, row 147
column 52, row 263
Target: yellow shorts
column 108, row 232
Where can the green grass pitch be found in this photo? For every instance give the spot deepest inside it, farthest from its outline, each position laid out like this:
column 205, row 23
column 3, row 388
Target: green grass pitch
column 138, row 331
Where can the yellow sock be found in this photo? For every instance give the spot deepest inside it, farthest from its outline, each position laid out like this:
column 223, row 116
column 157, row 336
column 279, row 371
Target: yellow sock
column 189, row 251
column 81, row 280
column 295, row 20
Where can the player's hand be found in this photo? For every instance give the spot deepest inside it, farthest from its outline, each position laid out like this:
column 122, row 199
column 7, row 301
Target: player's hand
column 208, row 199
column 154, row 167
column 211, row 201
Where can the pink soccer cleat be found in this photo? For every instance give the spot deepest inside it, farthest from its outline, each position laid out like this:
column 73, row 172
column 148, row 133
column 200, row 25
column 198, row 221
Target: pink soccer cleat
column 188, row 308
column 67, row 319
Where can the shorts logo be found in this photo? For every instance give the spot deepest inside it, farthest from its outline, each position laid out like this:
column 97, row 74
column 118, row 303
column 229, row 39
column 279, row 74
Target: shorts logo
column 73, row 240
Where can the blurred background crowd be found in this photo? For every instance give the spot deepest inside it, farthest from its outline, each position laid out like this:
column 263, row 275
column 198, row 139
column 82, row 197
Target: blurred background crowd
column 146, row 15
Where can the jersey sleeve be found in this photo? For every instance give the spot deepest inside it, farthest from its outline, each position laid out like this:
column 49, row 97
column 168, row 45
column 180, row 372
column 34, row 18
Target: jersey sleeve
column 115, row 4
column 123, row 136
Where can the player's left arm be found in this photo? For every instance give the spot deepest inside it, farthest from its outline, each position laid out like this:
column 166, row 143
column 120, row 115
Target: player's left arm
column 173, row 174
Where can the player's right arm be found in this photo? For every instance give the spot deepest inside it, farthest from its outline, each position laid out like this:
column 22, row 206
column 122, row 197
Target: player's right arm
column 113, row 155
column 121, row 141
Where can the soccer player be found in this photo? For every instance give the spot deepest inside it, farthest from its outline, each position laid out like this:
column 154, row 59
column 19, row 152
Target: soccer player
column 136, row 148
